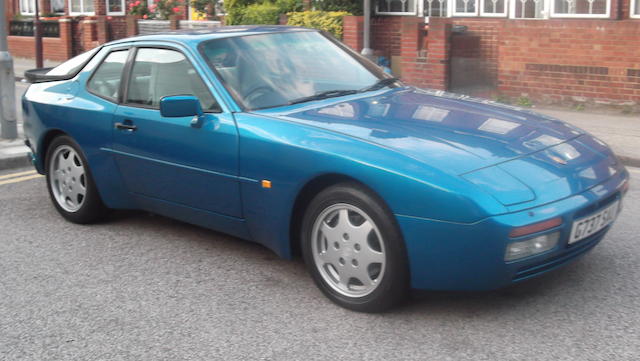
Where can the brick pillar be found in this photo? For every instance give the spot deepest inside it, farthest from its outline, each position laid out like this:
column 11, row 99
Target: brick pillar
column 412, row 56
column 174, row 23
column 65, row 37
column 89, row 34
column 438, row 53
column 352, row 28
column 102, row 29
column 132, row 25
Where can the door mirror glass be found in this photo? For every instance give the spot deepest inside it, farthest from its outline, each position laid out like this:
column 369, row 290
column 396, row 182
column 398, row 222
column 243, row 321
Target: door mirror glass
column 180, row 106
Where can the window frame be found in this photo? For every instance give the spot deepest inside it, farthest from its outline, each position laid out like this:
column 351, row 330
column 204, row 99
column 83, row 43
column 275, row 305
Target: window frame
column 397, row 13
column 81, row 12
column 553, row 14
column 95, row 70
column 632, row 10
column 123, row 5
column 128, row 69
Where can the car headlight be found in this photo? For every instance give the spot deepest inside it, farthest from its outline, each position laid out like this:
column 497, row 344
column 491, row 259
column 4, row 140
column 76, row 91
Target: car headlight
column 531, row 246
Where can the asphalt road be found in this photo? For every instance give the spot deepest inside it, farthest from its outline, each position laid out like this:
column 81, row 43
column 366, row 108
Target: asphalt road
column 143, row 287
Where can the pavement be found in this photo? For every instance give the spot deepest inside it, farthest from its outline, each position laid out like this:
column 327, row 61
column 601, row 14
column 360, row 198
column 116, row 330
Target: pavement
column 144, row 287
column 20, row 65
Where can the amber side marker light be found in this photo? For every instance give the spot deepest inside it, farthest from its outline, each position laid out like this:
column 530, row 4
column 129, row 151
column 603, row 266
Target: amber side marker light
column 535, row 228
column 266, row 183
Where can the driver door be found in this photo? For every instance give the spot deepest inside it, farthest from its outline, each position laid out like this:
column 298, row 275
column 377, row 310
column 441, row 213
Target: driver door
column 166, row 159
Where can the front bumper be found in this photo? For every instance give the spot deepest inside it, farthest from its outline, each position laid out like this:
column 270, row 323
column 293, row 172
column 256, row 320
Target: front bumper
column 456, row 256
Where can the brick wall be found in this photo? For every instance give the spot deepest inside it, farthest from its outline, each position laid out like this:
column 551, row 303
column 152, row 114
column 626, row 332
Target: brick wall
column 117, row 27
column 558, row 60
column 386, row 32
column 57, row 49
column 554, row 61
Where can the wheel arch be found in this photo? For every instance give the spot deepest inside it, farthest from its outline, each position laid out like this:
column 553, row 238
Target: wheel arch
column 44, row 147
column 310, row 190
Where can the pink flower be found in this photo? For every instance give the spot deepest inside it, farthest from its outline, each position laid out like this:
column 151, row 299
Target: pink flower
column 137, row 3
column 144, row 16
column 176, row 9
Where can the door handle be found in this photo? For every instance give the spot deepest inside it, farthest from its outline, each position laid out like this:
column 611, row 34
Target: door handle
column 129, row 127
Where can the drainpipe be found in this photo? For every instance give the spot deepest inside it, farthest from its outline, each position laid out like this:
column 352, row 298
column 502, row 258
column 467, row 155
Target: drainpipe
column 8, row 125
column 366, row 50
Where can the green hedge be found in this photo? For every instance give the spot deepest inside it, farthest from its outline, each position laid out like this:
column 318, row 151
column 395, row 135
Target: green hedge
column 351, row 6
column 330, row 21
column 250, row 12
column 265, row 13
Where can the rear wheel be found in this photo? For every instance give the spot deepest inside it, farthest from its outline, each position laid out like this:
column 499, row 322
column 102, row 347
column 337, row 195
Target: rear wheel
column 70, row 183
column 353, row 249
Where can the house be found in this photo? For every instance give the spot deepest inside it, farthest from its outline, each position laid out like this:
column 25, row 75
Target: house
column 550, row 51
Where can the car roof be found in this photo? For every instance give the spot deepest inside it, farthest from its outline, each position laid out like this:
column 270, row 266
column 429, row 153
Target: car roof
column 198, row 35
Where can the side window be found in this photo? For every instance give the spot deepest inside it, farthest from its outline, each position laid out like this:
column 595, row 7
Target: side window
column 105, row 81
column 158, row 73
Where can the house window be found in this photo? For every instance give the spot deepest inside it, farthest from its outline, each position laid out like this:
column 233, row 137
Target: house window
column 27, row 7
column 396, row 7
column 437, row 8
column 115, row 7
column 635, row 9
column 81, row 7
column 493, row 7
column 529, row 9
column 57, row 6
column 580, row 8
column 465, row 7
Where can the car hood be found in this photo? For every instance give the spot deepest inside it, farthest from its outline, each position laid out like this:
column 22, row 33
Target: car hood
column 514, row 154
column 454, row 133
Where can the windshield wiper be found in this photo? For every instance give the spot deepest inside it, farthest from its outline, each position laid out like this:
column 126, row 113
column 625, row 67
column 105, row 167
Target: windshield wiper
column 379, row 84
column 323, row 95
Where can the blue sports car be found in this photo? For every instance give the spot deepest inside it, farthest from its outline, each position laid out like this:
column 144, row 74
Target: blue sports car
column 285, row 137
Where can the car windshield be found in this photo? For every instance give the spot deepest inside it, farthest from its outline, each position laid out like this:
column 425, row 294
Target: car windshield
column 268, row 70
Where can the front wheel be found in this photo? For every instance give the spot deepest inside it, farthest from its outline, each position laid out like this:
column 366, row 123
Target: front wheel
column 70, row 183
column 353, row 249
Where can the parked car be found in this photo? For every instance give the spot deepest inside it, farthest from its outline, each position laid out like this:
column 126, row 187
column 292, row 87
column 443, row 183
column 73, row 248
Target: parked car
column 284, row 136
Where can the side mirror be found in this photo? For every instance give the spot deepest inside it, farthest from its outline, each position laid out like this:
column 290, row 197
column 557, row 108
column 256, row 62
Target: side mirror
column 175, row 106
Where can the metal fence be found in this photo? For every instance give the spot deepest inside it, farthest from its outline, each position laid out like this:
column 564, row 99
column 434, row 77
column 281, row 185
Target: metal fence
column 199, row 24
column 50, row 29
column 146, row 27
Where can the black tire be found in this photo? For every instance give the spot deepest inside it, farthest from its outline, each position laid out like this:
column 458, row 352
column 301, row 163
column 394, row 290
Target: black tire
column 393, row 285
column 91, row 209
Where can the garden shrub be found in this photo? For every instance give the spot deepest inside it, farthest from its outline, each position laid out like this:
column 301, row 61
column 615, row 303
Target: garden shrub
column 330, row 21
column 248, row 12
column 235, row 10
column 265, row 13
